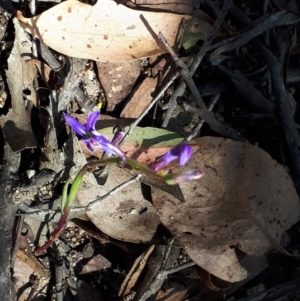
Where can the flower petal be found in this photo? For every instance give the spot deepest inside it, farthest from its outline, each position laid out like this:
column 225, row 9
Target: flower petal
column 91, row 121
column 173, row 179
column 102, row 143
column 88, row 144
column 118, row 136
column 75, row 125
column 182, row 152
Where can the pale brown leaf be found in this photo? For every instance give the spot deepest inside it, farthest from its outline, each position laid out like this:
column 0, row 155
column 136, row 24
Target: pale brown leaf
column 172, row 291
column 245, row 200
column 142, row 97
column 16, row 124
column 118, row 80
column 45, row 71
column 126, row 215
column 95, row 264
column 105, row 32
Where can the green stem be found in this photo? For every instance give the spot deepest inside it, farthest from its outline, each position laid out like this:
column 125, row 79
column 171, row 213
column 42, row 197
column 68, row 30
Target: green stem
column 68, row 200
column 64, row 195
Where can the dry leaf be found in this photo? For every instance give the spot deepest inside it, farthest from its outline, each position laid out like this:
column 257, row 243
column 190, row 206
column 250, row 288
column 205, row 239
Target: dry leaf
column 25, row 266
column 135, row 272
column 172, row 291
column 17, row 124
column 142, row 97
column 46, row 72
column 126, row 215
column 118, row 80
column 95, row 264
column 245, row 200
column 186, row 7
column 105, row 32
column 22, row 273
column 33, row 263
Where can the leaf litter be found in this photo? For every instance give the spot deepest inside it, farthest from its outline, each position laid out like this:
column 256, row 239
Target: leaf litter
column 104, row 32
column 227, row 223
column 244, row 211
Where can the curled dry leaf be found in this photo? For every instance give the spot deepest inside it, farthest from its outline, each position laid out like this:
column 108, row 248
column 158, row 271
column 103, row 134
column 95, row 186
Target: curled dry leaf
column 17, row 124
column 245, row 201
column 126, row 215
column 104, row 32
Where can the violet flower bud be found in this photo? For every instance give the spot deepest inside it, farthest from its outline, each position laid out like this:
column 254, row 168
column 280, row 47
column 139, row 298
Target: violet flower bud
column 173, row 179
column 182, row 152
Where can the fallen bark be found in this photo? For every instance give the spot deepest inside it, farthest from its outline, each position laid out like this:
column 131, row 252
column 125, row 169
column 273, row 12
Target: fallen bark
column 9, row 163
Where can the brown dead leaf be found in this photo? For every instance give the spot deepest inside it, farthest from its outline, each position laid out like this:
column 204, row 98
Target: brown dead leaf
column 135, row 272
column 126, row 215
column 97, row 263
column 22, row 274
column 93, row 231
column 142, row 97
column 26, row 265
column 161, row 63
column 118, row 80
column 16, row 124
column 33, row 263
column 174, row 291
column 105, row 32
column 245, row 200
column 45, row 71
column 186, row 7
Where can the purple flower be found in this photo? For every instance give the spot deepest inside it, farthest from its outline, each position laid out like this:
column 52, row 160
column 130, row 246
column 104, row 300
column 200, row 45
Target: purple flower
column 91, row 137
column 119, row 134
column 182, row 152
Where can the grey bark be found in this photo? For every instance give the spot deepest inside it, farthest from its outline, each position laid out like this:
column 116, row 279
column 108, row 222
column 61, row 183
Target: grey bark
column 8, row 165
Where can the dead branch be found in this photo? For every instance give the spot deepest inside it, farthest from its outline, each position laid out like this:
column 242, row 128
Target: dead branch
column 204, row 113
column 195, row 62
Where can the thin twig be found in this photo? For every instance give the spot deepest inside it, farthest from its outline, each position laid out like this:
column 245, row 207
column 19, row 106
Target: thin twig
column 196, row 130
column 204, row 113
column 113, row 191
column 159, row 95
column 167, row 253
column 180, row 267
column 34, row 286
column 17, row 240
column 257, row 28
column 163, row 273
column 195, row 62
column 59, row 267
column 91, row 204
column 32, row 7
column 286, row 119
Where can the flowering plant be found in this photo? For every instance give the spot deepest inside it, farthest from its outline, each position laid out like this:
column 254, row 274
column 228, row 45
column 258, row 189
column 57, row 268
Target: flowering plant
column 159, row 169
